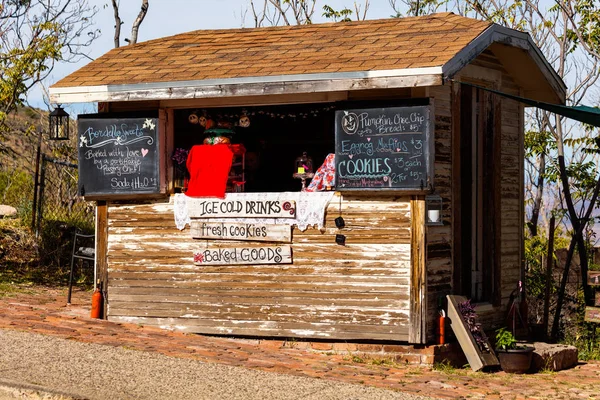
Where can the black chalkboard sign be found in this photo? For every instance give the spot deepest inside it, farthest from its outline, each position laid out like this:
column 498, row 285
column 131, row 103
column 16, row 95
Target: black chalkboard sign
column 118, row 156
column 383, row 148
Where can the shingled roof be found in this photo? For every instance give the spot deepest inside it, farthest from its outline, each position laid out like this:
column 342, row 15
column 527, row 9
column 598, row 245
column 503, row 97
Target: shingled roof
column 335, row 47
column 201, row 63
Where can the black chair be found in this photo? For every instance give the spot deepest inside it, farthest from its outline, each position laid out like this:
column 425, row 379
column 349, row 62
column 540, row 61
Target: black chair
column 83, row 248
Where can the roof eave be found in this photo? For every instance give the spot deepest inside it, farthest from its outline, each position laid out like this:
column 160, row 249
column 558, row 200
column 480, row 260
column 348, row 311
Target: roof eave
column 250, row 86
column 499, row 34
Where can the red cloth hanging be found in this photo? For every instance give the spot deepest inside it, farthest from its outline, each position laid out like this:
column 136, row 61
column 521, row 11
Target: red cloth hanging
column 209, row 167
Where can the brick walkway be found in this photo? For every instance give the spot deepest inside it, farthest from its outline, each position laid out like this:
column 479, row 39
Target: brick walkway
column 44, row 310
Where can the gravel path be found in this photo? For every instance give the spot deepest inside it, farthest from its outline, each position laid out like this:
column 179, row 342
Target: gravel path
column 90, row 371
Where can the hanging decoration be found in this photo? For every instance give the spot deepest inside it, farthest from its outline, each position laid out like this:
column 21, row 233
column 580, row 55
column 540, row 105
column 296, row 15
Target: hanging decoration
column 243, row 118
column 244, row 121
column 193, row 118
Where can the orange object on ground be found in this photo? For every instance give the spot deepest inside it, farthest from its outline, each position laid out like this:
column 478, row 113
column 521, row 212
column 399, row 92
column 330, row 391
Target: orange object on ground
column 97, row 304
column 441, row 329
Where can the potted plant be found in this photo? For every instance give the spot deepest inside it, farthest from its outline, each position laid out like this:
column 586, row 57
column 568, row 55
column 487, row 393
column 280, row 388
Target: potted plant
column 513, row 358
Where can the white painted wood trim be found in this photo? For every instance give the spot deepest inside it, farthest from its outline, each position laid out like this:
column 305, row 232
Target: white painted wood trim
column 251, row 86
column 499, row 34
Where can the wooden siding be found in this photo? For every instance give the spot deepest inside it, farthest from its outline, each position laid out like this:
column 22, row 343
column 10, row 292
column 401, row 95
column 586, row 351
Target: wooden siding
column 359, row 291
column 511, row 188
column 439, row 237
column 486, row 68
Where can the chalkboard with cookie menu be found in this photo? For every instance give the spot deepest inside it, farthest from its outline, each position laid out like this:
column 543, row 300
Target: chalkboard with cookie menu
column 118, row 156
column 383, row 148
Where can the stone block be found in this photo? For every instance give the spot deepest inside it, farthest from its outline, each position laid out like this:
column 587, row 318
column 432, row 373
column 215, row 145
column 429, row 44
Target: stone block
column 413, row 359
column 370, row 348
column 7, row 211
column 322, row 346
column 345, row 347
column 396, row 348
column 553, row 357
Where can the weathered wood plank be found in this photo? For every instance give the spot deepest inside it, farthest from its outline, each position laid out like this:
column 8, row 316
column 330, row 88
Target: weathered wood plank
column 418, row 280
column 308, row 269
column 477, row 359
column 348, row 286
column 333, row 314
column 274, row 328
column 169, row 278
column 392, row 304
column 102, row 251
column 237, row 231
column 320, row 295
column 225, row 208
column 592, row 314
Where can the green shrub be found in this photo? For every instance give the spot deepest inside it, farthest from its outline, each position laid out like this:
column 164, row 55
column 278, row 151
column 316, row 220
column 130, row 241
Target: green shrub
column 16, row 189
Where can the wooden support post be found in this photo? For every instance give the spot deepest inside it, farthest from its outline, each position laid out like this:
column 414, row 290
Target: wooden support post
column 102, row 250
column 549, row 261
column 457, row 281
column 418, row 280
column 496, row 234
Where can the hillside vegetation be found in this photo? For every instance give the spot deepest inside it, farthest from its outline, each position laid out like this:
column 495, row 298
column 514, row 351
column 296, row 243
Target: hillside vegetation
column 24, row 255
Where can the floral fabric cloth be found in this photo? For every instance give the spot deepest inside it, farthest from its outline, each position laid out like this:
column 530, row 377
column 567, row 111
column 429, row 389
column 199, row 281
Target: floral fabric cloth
column 325, row 175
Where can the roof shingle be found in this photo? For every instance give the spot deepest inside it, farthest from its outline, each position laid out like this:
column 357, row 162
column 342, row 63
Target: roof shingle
column 427, row 41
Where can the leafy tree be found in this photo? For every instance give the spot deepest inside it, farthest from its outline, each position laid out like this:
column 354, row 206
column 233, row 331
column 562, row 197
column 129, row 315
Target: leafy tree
column 561, row 153
column 34, row 35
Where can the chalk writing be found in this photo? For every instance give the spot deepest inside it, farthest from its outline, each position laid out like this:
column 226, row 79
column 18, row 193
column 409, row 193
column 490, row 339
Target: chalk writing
column 383, row 148
column 118, row 156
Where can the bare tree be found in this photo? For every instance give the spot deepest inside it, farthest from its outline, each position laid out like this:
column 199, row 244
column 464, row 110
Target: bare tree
column 135, row 26
column 282, row 12
column 301, row 12
column 415, row 7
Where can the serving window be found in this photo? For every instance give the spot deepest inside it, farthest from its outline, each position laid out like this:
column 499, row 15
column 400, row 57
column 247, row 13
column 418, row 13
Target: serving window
column 265, row 141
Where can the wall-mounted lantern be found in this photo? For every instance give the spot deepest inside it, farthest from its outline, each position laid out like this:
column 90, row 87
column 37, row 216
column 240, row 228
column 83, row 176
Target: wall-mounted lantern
column 433, row 208
column 58, row 124
column 58, row 129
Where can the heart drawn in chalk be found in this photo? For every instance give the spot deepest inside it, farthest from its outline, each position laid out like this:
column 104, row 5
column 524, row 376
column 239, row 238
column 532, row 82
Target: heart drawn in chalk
column 368, row 139
column 350, row 156
column 144, row 152
column 385, row 178
column 398, row 150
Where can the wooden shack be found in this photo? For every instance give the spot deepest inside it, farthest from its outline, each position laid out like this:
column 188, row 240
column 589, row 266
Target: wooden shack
column 389, row 99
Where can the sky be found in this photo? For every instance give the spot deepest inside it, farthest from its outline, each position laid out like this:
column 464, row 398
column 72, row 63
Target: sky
column 170, row 17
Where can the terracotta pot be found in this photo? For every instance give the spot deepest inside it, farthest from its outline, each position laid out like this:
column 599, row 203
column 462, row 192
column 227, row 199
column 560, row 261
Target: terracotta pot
column 515, row 361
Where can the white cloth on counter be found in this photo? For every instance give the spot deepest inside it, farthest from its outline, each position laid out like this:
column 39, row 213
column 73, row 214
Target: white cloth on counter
column 310, row 208
column 182, row 217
